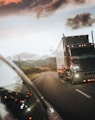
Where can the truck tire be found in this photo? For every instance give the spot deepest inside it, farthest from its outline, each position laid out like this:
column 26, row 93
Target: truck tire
column 60, row 75
column 72, row 78
column 73, row 82
column 64, row 76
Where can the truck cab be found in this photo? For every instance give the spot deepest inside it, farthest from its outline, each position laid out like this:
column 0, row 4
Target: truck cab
column 78, row 59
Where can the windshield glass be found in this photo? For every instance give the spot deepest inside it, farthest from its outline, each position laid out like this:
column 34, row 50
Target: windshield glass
column 81, row 51
column 17, row 99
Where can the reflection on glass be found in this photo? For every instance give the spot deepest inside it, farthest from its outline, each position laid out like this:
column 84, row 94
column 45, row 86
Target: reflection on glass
column 16, row 101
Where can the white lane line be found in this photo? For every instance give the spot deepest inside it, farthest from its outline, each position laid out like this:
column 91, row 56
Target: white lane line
column 65, row 82
column 86, row 95
column 62, row 81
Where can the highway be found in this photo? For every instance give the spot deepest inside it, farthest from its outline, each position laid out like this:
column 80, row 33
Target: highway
column 73, row 102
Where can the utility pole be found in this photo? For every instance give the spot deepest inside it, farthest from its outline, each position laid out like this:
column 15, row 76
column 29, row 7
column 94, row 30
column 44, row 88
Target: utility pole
column 19, row 61
column 92, row 37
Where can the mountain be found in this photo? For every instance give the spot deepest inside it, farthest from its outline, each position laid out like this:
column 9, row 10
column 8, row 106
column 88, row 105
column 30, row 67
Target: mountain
column 25, row 56
column 45, row 62
column 29, row 56
column 40, row 63
column 27, row 61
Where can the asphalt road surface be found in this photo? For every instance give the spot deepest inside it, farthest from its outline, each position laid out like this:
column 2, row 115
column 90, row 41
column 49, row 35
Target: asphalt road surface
column 73, row 102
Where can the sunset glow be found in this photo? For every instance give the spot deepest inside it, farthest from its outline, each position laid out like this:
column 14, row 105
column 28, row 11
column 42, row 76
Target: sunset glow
column 6, row 2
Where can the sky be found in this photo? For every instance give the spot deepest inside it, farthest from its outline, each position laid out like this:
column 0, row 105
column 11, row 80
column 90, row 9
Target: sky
column 37, row 26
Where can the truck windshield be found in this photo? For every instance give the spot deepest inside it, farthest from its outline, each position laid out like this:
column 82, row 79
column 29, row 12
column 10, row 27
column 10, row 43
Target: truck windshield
column 81, row 51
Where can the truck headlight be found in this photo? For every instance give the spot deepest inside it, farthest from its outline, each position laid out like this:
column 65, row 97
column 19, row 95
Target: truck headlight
column 76, row 75
column 76, row 67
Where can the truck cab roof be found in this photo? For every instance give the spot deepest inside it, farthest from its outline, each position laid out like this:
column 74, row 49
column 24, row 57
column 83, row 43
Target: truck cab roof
column 75, row 40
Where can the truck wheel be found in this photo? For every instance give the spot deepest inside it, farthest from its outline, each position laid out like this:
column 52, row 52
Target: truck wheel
column 73, row 82
column 60, row 75
column 64, row 77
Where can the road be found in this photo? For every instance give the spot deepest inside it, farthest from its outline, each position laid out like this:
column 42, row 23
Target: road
column 73, row 102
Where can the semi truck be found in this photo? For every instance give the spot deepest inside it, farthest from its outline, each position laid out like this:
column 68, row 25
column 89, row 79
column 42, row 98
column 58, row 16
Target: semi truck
column 75, row 58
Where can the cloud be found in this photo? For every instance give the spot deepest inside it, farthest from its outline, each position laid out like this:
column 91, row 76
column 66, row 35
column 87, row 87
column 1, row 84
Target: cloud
column 40, row 7
column 81, row 20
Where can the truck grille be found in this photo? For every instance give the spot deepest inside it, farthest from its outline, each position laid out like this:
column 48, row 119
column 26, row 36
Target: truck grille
column 87, row 64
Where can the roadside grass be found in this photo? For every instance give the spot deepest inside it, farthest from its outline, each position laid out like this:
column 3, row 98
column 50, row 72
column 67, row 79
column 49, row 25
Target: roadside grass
column 33, row 72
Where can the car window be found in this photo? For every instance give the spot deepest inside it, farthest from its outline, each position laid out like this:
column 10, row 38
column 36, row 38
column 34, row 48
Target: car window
column 7, row 75
column 17, row 102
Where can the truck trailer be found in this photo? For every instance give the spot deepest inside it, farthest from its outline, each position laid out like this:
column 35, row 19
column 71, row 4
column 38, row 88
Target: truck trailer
column 75, row 59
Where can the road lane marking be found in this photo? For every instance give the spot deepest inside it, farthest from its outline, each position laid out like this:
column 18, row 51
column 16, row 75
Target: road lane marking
column 86, row 95
column 62, row 81
column 65, row 82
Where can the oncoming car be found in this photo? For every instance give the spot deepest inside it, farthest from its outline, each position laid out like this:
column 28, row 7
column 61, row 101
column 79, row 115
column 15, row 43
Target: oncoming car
column 19, row 97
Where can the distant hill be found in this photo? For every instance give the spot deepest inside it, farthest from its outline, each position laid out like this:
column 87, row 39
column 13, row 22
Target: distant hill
column 25, row 56
column 46, row 64
column 29, row 56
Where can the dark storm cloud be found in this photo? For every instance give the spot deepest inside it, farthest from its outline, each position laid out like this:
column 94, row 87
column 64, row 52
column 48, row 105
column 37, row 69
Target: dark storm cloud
column 81, row 20
column 21, row 7
column 80, row 1
column 40, row 7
